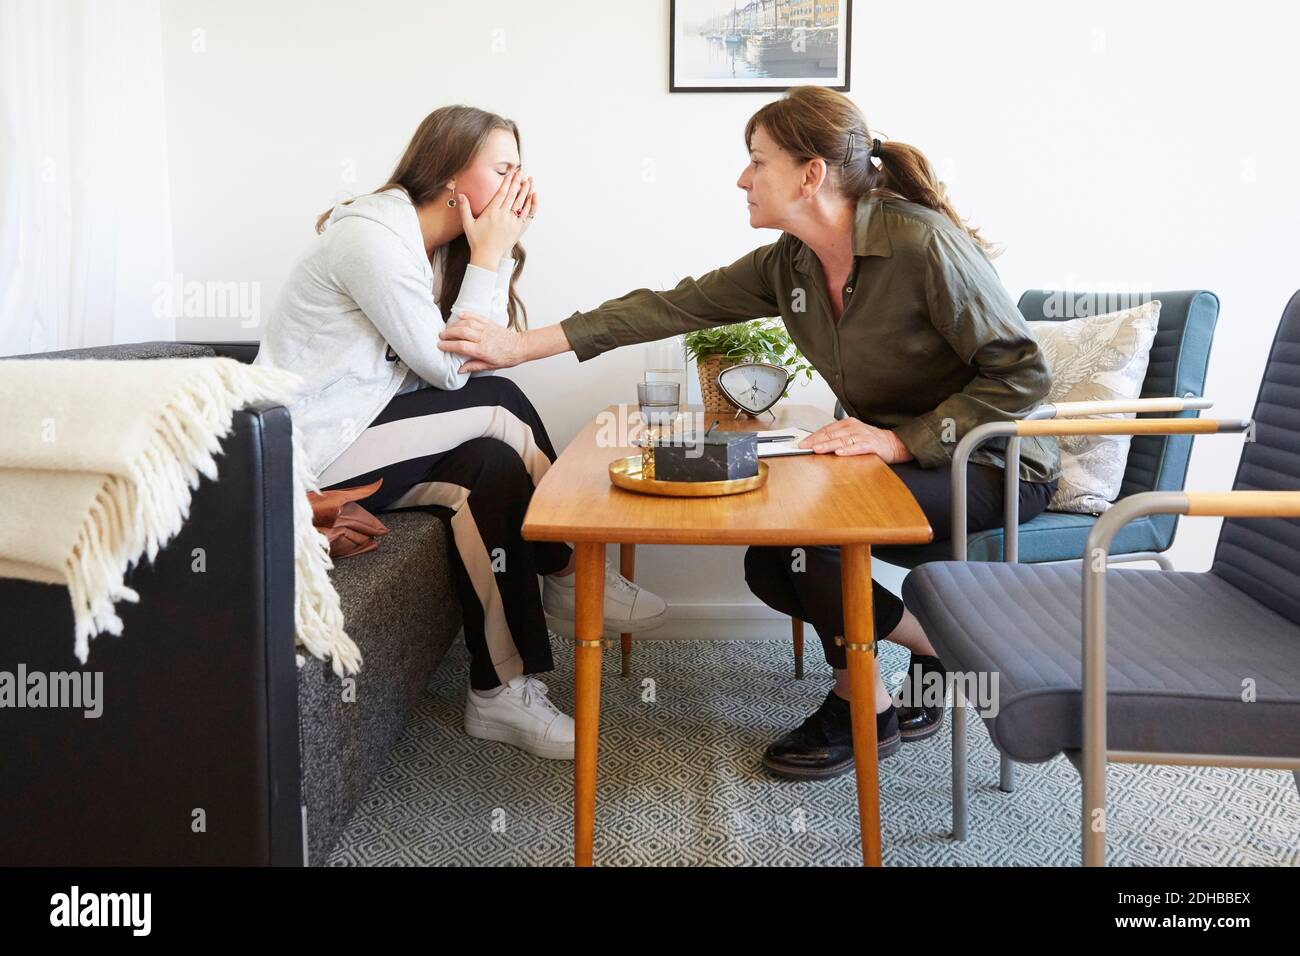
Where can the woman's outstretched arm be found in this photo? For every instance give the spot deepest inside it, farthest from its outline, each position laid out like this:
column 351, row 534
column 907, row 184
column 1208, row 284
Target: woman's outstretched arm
column 735, row 293
column 487, row 345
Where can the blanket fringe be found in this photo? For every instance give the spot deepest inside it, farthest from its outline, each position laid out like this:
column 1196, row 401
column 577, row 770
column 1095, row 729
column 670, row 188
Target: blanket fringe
column 136, row 514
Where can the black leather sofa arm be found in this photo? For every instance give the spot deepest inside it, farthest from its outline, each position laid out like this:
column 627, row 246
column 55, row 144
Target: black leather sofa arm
column 195, row 756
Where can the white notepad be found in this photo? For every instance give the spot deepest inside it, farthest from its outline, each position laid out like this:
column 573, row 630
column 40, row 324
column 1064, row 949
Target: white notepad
column 776, row 449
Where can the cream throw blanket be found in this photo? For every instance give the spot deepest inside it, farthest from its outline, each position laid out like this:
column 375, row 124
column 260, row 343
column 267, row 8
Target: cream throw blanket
column 98, row 462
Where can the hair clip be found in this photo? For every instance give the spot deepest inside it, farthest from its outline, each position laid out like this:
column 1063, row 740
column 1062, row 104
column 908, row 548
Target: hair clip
column 848, row 154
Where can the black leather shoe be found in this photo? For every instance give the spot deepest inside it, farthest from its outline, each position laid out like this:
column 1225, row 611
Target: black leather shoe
column 915, row 721
column 822, row 746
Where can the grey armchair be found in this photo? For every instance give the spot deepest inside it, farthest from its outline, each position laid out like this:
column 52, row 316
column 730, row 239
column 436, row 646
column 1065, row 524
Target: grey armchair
column 1186, row 668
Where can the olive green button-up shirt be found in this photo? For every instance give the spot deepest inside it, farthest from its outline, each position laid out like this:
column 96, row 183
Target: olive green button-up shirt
column 929, row 343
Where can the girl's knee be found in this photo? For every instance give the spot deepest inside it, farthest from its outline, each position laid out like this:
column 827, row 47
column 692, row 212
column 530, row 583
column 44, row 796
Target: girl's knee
column 503, row 391
column 498, row 462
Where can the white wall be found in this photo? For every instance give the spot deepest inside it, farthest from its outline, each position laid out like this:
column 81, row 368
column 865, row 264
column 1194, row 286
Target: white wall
column 1144, row 146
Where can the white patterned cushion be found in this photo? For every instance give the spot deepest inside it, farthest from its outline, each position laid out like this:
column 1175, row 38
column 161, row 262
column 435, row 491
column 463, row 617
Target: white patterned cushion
column 1097, row 358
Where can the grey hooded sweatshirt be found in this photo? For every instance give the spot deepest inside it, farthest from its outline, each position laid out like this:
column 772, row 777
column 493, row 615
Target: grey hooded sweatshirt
column 358, row 320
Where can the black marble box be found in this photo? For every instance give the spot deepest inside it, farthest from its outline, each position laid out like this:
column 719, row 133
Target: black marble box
column 715, row 456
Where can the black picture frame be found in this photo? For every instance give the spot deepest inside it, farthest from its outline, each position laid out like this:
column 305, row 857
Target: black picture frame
column 847, row 39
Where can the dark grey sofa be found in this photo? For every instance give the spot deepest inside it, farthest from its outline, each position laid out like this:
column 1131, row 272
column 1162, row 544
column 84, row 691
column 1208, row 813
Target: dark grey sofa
column 204, row 706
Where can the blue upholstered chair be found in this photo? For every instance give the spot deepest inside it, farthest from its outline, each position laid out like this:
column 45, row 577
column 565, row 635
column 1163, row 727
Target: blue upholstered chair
column 1175, row 370
column 1179, row 356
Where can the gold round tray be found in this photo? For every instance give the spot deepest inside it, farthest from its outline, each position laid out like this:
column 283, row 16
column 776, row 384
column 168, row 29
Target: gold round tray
column 626, row 473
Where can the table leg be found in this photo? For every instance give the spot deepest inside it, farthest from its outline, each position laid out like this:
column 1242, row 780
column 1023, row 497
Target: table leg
column 588, row 626
column 796, row 628
column 627, row 568
column 859, row 637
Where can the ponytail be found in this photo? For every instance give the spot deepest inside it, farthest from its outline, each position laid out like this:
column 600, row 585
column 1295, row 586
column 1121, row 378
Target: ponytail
column 907, row 173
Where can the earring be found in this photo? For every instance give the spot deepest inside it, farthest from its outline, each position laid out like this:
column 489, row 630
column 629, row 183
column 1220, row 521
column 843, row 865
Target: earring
column 452, row 202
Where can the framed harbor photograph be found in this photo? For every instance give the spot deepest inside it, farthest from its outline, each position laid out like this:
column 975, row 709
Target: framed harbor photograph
column 719, row 46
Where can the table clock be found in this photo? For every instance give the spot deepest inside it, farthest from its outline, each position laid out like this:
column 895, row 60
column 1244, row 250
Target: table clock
column 754, row 387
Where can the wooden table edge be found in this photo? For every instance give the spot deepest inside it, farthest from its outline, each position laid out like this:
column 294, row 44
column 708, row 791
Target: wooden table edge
column 725, row 537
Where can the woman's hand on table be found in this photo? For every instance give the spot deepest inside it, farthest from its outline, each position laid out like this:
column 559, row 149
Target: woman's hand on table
column 849, row 436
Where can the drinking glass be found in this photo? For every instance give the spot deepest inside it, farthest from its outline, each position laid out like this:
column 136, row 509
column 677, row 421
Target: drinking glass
column 659, row 403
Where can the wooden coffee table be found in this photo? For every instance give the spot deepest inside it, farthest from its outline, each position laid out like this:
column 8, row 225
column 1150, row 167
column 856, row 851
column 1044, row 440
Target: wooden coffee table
column 853, row 502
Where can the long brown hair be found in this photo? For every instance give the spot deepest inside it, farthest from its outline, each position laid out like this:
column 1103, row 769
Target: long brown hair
column 813, row 121
column 445, row 142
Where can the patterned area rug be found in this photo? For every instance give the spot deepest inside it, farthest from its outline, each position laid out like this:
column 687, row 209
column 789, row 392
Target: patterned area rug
column 680, row 783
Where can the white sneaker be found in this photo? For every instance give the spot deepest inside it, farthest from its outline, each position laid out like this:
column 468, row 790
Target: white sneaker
column 629, row 608
column 521, row 714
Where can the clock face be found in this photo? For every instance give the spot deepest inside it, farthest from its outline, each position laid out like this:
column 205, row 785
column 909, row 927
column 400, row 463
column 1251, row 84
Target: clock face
column 754, row 386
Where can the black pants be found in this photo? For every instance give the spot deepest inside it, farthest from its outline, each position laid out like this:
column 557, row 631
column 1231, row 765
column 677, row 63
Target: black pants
column 479, row 450
column 805, row 582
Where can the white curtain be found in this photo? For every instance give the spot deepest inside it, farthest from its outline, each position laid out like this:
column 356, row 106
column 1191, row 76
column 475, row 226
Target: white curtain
column 85, row 214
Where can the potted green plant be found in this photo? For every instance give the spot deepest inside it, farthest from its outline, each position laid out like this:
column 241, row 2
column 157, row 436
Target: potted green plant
column 762, row 340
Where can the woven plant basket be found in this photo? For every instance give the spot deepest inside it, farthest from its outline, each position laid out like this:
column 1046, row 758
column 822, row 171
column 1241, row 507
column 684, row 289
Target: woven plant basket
column 715, row 402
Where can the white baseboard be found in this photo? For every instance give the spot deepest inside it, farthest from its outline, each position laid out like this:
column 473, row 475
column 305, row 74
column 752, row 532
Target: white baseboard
column 714, row 622
column 722, row 622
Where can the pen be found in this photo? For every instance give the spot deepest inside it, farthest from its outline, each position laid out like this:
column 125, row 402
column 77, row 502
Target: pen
column 775, row 438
